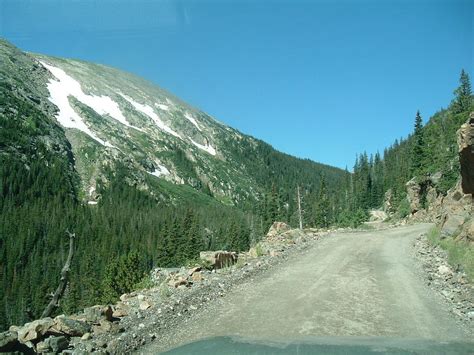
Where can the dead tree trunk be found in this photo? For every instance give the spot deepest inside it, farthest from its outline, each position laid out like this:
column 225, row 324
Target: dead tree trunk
column 54, row 303
column 299, row 209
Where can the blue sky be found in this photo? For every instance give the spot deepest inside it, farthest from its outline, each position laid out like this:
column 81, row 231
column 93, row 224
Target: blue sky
column 317, row 79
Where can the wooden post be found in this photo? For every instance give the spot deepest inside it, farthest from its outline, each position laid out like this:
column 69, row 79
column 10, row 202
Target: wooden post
column 299, row 207
column 54, row 303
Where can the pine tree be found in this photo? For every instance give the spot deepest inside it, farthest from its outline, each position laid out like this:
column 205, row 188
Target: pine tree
column 462, row 102
column 418, row 152
column 322, row 208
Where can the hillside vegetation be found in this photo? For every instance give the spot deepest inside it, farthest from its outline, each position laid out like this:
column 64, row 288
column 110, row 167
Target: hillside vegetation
column 431, row 148
column 133, row 221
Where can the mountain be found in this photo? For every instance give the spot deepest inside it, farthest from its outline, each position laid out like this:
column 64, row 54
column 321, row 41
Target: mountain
column 142, row 178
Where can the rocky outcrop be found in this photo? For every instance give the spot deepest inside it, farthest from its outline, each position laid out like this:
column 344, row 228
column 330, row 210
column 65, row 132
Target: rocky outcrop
column 466, row 155
column 413, row 195
column 219, row 259
column 453, row 212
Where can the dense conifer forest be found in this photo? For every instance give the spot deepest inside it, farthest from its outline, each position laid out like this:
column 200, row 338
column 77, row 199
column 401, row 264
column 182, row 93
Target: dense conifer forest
column 129, row 231
column 431, row 148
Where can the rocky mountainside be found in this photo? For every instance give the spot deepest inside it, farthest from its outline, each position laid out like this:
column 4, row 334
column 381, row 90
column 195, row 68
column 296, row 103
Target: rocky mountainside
column 110, row 116
column 453, row 212
column 142, row 178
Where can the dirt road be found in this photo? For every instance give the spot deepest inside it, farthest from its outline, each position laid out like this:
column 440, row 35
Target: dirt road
column 353, row 284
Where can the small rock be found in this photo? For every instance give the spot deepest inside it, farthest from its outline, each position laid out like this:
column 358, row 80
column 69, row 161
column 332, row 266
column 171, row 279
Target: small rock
column 197, row 277
column 144, row 305
column 96, row 313
column 444, row 270
column 141, row 297
column 86, row 336
column 58, row 344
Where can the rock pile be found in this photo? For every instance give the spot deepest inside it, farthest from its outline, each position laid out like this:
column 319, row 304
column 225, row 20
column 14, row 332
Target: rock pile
column 451, row 284
column 55, row 335
column 140, row 317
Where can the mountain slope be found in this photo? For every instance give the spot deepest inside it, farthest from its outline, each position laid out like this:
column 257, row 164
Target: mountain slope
column 132, row 170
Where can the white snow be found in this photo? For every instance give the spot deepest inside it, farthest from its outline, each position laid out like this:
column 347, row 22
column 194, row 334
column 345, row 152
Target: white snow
column 148, row 110
column 59, row 91
column 160, row 170
column 67, row 86
column 192, row 120
column 208, row 148
column 162, row 107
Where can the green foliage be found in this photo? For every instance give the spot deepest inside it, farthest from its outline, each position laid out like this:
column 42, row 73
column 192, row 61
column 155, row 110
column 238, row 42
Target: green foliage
column 122, row 275
column 463, row 100
column 404, row 208
column 322, row 215
column 460, row 254
column 430, row 149
column 418, row 154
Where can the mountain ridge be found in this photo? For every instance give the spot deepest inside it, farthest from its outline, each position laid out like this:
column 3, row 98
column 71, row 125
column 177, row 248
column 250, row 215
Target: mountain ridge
column 54, row 179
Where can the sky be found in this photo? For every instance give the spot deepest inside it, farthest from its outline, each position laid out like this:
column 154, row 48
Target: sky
column 321, row 79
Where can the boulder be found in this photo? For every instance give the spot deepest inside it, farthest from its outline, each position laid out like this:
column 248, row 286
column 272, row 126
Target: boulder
column 70, row 327
column 120, row 310
column 57, row 344
column 35, row 330
column 144, row 305
column 8, row 341
column 95, row 314
column 377, row 215
column 444, row 270
column 104, row 326
column 452, row 223
column 194, row 270
column 466, row 154
column 277, row 228
column 219, row 259
column 197, row 277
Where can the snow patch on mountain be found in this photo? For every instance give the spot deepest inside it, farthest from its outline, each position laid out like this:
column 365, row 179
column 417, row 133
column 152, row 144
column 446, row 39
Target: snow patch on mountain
column 160, row 171
column 59, row 91
column 192, row 120
column 148, row 111
column 102, row 104
column 162, row 107
column 208, row 148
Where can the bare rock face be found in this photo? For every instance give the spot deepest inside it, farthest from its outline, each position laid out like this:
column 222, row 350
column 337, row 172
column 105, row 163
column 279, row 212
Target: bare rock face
column 413, row 195
column 466, row 155
column 388, row 202
column 455, row 211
